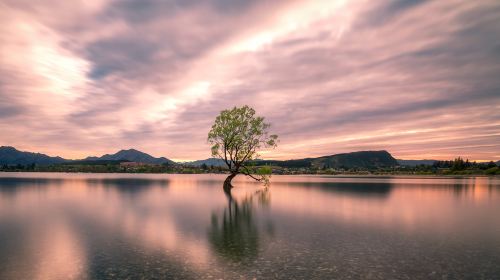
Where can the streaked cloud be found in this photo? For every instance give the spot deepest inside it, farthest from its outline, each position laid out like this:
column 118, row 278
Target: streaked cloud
column 418, row 78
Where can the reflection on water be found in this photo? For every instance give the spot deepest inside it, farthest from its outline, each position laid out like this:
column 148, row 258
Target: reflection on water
column 234, row 235
column 127, row 185
column 352, row 188
column 127, row 182
column 101, row 226
column 11, row 184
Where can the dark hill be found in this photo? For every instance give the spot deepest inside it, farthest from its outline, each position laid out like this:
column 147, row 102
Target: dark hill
column 363, row 159
column 12, row 156
column 208, row 162
column 132, row 155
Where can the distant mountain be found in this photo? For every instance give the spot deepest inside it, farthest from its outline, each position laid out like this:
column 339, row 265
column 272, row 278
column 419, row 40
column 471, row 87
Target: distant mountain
column 292, row 163
column 93, row 162
column 362, row 159
column 131, row 155
column 208, row 162
column 10, row 155
column 415, row 162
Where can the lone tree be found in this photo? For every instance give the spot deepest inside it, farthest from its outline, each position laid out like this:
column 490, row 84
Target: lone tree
column 236, row 136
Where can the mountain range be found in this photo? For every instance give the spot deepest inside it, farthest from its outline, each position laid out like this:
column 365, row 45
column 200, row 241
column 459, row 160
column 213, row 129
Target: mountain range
column 132, row 155
column 361, row 159
column 11, row 156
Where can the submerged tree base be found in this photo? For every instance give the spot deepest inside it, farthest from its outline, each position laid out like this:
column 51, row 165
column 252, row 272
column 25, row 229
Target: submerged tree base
column 227, row 183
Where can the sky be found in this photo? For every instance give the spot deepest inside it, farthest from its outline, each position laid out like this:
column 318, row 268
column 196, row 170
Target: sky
column 420, row 79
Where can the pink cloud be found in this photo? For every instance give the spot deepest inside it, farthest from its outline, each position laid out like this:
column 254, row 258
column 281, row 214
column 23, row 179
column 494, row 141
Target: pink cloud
column 419, row 80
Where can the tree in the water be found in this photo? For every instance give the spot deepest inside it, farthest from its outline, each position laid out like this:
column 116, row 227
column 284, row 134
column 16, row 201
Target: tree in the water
column 236, row 137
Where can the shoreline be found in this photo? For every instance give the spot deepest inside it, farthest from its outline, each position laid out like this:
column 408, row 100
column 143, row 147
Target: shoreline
column 301, row 174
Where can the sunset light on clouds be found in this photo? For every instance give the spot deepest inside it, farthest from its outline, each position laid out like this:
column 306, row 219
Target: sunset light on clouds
column 420, row 79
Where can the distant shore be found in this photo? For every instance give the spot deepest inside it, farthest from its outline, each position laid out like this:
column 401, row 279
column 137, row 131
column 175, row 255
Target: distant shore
column 338, row 174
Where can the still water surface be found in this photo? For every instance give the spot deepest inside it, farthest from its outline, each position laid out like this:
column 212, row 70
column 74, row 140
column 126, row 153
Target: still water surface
column 116, row 226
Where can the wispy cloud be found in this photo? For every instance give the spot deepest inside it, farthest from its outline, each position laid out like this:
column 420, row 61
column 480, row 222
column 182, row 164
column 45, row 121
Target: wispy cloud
column 419, row 78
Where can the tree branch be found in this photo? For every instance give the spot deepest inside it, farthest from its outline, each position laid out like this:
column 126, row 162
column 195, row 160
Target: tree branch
column 247, row 173
column 225, row 157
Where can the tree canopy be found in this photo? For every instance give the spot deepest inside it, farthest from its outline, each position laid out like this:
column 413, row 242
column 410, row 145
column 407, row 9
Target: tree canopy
column 236, row 137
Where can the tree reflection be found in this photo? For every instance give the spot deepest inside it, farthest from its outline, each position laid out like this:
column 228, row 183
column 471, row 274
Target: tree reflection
column 234, row 235
column 11, row 185
column 128, row 185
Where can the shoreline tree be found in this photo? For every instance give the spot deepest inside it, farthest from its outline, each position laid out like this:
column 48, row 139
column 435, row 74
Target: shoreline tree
column 236, row 136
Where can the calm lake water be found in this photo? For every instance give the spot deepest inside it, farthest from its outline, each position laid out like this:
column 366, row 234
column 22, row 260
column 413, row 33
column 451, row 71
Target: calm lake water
column 108, row 226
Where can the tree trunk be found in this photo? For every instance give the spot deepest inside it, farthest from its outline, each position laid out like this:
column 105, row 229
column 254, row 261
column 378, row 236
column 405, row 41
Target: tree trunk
column 227, row 183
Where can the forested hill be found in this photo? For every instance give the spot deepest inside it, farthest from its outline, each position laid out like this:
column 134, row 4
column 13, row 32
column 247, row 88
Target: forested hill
column 10, row 155
column 362, row 159
column 132, row 155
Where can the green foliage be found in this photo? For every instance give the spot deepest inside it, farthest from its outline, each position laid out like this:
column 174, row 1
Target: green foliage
column 492, row 171
column 459, row 164
column 236, row 137
column 264, row 170
column 490, row 164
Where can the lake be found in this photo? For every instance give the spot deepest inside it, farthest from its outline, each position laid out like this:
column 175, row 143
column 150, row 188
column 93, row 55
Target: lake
column 118, row 226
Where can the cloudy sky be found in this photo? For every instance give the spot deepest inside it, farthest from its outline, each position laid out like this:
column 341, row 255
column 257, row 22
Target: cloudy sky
column 420, row 79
